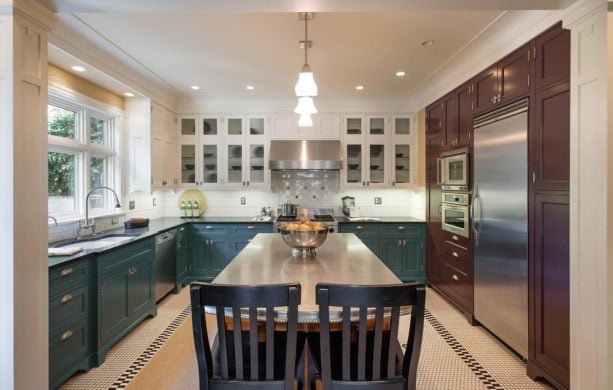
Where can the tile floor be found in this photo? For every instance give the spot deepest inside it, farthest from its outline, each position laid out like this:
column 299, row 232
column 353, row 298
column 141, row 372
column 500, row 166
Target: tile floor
column 455, row 355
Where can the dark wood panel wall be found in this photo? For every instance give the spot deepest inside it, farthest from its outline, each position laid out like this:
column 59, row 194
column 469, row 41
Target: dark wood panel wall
column 540, row 71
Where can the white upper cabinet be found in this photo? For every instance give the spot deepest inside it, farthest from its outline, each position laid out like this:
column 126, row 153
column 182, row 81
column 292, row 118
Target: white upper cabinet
column 325, row 126
column 366, row 140
column 164, row 173
column 224, row 151
column 403, row 150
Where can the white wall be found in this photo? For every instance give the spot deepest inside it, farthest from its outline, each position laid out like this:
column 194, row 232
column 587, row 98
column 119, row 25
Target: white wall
column 610, row 181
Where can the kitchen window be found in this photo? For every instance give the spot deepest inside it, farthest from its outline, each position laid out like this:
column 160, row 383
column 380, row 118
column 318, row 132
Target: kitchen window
column 83, row 145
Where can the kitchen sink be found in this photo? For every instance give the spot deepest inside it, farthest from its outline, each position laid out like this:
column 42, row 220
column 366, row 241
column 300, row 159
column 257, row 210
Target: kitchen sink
column 95, row 241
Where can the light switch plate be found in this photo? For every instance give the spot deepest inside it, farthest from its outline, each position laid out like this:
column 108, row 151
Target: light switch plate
column 377, row 200
column 243, row 200
column 114, row 220
column 132, row 205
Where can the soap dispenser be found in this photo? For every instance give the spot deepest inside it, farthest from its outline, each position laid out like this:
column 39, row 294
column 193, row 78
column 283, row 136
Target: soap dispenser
column 189, row 211
column 195, row 210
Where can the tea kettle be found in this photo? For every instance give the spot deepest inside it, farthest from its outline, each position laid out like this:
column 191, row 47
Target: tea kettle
column 348, row 202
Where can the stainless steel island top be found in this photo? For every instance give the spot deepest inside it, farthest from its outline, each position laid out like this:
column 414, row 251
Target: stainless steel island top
column 342, row 258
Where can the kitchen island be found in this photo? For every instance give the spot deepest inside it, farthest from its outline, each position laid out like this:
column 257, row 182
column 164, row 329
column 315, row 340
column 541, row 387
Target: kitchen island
column 342, row 258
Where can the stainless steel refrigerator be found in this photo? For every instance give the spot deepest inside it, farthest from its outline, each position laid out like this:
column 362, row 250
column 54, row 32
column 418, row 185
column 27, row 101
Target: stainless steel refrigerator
column 500, row 223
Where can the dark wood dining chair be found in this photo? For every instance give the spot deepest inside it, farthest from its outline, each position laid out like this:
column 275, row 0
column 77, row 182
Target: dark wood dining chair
column 242, row 359
column 365, row 352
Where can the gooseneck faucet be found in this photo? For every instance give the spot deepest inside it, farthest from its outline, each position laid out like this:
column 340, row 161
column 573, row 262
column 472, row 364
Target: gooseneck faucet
column 49, row 217
column 87, row 225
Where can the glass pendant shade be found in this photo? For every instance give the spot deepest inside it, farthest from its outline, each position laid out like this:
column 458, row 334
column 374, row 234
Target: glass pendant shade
column 305, row 120
column 306, row 83
column 305, row 106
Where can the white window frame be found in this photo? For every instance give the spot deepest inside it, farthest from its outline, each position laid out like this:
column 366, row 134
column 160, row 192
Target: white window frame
column 83, row 149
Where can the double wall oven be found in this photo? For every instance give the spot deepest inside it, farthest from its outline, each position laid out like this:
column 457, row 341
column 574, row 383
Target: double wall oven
column 454, row 180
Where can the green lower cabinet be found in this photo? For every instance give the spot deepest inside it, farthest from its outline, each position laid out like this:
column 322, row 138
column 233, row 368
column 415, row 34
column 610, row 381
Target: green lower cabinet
column 414, row 260
column 399, row 246
column 373, row 244
column 238, row 245
column 183, row 257
column 392, row 254
column 126, row 292
column 220, row 254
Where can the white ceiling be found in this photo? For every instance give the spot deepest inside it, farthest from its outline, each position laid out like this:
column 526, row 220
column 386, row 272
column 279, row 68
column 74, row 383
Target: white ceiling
column 183, row 43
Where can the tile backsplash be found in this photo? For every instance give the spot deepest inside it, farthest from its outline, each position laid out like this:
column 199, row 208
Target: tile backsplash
column 306, row 188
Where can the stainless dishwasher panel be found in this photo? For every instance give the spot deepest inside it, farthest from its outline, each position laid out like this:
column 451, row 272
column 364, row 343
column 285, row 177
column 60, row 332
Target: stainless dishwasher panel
column 165, row 263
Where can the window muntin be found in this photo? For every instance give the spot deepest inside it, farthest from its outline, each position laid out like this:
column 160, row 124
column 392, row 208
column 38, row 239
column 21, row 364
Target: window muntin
column 87, row 132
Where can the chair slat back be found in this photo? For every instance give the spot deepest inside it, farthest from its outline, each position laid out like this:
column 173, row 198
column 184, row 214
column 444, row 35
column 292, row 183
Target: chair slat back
column 240, row 361
column 370, row 355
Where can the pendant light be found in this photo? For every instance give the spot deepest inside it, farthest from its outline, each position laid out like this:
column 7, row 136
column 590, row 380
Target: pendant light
column 305, row 106
column 306, row 84
column 305, row 120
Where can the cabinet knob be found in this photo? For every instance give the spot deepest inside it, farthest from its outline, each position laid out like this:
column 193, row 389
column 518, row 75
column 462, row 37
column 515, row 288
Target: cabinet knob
column 401, row 227
column 455, row 277
column 393, row 183
column 399, row 242
column 250, row 227
column 363, row 183
column 455, row 238
column 243, row 183
column 66, row 272
column 454, row 254
column 209, row 227
column 493, row 99
column 359, row 227
column 66, row 298
column 367, row 183
column 404, row 242
column 66, row 335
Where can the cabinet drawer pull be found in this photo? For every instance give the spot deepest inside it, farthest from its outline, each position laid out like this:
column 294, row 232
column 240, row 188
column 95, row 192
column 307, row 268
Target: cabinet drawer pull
column 359, row 227
column 250, row 227
column 66, row 335
column 399, row 242
column 66, row 272
column 400, row 227
column 454, row 254
column 66, row 298
column 404, row 242
column 209, row 227
column 455, row 277
column 249, row 240
column 455, row 238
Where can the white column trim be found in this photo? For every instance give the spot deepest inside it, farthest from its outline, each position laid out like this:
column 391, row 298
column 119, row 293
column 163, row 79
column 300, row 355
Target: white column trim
column 589, row 183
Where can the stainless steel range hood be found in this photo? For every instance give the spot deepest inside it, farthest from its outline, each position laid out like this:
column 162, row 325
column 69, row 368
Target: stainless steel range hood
column 310, row 154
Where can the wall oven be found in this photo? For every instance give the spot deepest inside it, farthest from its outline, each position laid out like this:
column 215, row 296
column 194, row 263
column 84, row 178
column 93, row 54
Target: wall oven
column 455, row 214
column 453, row 170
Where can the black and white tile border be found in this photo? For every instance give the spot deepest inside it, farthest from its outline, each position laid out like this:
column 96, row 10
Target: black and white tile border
column 152, row 349
column 481, row 373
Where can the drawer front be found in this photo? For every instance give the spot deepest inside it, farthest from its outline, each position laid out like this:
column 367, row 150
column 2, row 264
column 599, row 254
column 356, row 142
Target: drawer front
column 212, row 229
column 67, row 347
column 459, row 285
column 123, row 256
column 459, row 258
column 68, row 308
column 361, row 230
column 250, row 230
column 456, row 239
column 403, row 230
column 65, row 277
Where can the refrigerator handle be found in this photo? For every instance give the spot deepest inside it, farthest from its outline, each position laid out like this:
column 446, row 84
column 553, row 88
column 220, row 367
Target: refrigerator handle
column 438, row 171
column 472, row 216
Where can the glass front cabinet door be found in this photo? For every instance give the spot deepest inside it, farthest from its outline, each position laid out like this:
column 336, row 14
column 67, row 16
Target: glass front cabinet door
column 246, row 151
column 200, row 154
column 366, row 144
column 403, row 147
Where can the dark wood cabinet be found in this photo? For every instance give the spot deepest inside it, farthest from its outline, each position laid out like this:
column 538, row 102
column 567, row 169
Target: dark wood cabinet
column 503, row 82
column 485, row 85
column 434, row 210
column 549, row 163
column 465, row 115
column 551, row 52
column 434, row 117
column 450, row 124
column 514, row 76
column 550, row 139
column 549, row 319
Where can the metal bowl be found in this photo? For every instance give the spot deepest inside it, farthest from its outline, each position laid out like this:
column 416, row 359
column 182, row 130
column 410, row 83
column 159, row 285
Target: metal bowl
column 304, row 242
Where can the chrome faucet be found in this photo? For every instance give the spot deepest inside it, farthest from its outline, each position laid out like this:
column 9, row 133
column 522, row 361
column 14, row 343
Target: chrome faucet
column 92, row 226
column 53, row 218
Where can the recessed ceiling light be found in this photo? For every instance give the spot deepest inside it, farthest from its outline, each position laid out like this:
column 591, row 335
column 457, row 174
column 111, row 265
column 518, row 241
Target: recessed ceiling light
column 427, row 43
column 359, row 87
column 400, row 73
column 128, row 94
column 78, row 68
column 195, row 87
column 250, row 87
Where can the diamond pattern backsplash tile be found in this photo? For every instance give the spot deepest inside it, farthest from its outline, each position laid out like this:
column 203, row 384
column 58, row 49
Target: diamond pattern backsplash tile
column 307, row 188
